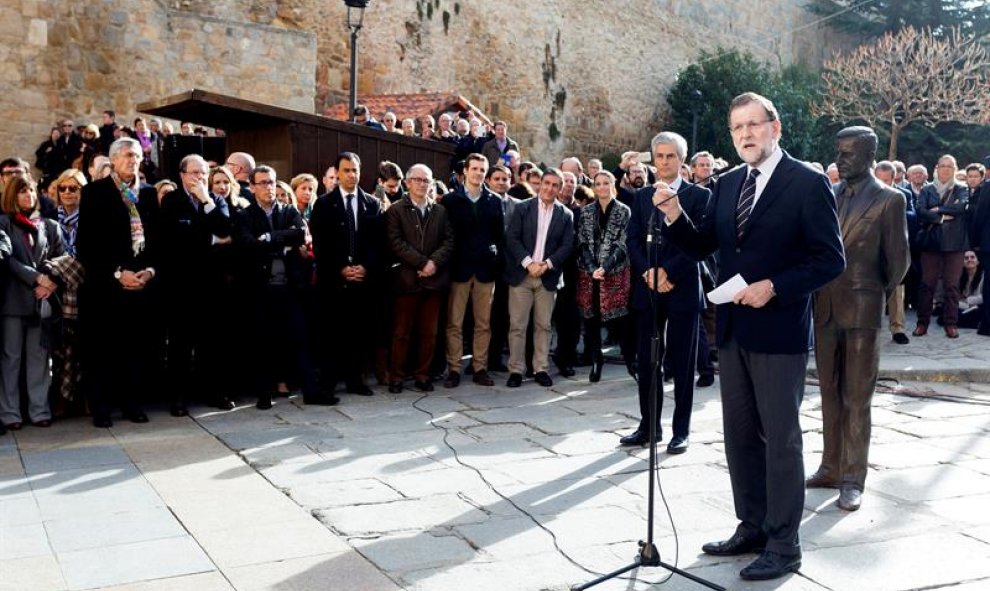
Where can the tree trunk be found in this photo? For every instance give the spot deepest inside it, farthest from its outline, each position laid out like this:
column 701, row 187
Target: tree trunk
column 895, row 130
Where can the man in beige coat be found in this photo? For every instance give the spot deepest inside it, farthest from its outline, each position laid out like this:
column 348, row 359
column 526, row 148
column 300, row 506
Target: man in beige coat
column 848, row 313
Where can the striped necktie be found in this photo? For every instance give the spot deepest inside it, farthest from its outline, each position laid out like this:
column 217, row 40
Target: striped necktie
column 745, row 206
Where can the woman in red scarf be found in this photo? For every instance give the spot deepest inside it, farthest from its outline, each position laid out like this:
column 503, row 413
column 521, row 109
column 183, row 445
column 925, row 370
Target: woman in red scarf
column 28, row 304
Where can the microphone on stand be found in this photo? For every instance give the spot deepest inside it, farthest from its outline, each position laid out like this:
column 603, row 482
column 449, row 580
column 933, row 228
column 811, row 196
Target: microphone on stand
column 711, row 178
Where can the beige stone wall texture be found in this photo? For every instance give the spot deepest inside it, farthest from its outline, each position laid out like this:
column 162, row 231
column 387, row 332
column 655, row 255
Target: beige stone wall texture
column 581, row 77
column 76, row 58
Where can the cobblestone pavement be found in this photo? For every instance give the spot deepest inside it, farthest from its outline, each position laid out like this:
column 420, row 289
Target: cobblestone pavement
column 484, row 488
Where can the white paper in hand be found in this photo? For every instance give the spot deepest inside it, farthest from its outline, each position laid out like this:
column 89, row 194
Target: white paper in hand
column 723, row 294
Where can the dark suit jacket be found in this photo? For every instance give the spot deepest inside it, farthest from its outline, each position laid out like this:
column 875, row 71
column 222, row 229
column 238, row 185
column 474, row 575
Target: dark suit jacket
column 682, row 270
column 953, row 234
column 103, row 241
column 328, row 227
column 286, row 230
column 479, row 233
column 874, row 233
column 521, row 239
column 25, row 264
column 792, row 239
column 186, row 236
column 979, row 225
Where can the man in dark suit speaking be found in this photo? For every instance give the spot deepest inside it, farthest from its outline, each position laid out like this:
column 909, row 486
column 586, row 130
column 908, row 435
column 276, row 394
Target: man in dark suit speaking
column 773, row 222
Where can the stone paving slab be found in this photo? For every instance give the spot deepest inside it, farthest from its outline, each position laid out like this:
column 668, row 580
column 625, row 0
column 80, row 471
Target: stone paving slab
column 367, row 495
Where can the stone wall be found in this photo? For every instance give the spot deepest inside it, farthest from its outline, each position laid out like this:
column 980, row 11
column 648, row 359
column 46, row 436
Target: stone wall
column 570, row 76
column 75, row 59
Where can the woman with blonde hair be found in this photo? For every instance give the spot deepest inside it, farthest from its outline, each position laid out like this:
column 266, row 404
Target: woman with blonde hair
column 65, row 357
column 284, row 194
column 28, row 304
column 304, row 187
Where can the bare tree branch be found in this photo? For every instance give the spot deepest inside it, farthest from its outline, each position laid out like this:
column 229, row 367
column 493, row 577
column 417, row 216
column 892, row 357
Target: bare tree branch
column 906, row 77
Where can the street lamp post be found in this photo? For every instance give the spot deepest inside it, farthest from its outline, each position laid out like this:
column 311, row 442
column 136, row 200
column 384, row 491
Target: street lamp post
column 355, row 19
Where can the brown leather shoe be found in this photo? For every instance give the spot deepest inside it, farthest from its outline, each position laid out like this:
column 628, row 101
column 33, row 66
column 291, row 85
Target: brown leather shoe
column 952, row 332
column 820, row 480
column 920, row 330
column 482, row 378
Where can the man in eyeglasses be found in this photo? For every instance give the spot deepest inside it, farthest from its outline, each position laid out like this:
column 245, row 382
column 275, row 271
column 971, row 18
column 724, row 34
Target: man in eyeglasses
column 773, row 222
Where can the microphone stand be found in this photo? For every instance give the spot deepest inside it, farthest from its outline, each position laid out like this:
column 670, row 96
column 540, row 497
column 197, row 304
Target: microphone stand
column 649, row 555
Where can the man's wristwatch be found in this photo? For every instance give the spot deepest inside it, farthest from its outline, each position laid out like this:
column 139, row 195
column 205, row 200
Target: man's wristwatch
column 118, row 274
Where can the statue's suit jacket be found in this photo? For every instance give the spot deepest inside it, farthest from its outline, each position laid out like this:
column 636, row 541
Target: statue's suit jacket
column 874, row 235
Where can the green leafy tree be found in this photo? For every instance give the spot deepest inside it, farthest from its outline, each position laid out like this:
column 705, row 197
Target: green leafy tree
column 721, row 76
column 877, row 17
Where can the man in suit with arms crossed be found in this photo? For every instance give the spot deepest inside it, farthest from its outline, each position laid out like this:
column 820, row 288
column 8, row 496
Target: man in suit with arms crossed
column 849, row 313
column 773, row 222
column 666, row 294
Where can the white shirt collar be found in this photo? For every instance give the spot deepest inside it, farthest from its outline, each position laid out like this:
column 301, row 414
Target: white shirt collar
column 770, row 164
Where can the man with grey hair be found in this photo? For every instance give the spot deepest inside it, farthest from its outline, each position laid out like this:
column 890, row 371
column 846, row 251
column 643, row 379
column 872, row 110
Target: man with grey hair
column 594, row 167
column 190, row 220
column 773, row 223
column 573, row 165
column 114, row 305
column 421, row 240
column 666, row 296
column 886, row 173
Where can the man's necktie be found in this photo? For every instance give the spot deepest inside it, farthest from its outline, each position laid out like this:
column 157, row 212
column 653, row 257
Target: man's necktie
column 351, row 228
column 845, row 200
column 745, row 206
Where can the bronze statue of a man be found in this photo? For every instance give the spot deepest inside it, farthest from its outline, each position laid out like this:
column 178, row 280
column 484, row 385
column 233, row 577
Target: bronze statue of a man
column 848, row 312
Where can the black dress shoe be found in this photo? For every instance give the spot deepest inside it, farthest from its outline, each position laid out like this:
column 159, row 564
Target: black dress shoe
column 359, row 389
column 543, row 378
column 453, row 380
column 567, row 371
column 850, row 498
column 637, row 437
column 677, row 445
column 178, row 410
column 15, row 426
column 3, row 429
column 320, row 400
column 820, row 479
column 43, row 423
column 596, row 371
column 771, row 565
column 138, row 417
column 423, row 385
column 395, row 387
column 901, row 339
column 264, row 402
column 102, row 422
column 705, row 380
column 224, row 403
column 514, row 381
column 736, row 545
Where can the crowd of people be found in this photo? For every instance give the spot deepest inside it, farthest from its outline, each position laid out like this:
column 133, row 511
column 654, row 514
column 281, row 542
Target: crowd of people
column 116, row 290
